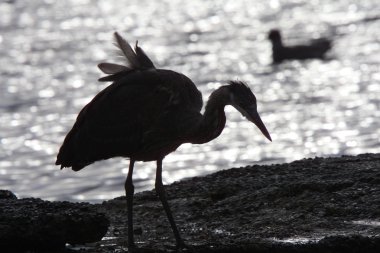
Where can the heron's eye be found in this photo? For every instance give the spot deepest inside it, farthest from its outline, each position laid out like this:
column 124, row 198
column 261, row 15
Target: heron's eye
column 245, row 105
column 250, row 107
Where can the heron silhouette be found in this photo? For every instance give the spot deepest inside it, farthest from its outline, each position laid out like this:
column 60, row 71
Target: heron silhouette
column 145, row 114
column 314, row 49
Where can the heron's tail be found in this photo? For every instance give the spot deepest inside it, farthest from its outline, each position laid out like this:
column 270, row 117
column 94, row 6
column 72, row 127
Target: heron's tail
column 67, row 156
column 76, row 150
column 136, row 59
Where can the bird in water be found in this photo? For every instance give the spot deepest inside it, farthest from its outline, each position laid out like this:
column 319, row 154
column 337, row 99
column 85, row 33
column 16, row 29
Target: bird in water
column 145, row 114
column 315, row 49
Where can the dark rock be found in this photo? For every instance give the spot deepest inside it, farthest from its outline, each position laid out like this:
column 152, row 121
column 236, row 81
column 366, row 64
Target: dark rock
column 36, row 224
column 310, row 205
column 5, row 194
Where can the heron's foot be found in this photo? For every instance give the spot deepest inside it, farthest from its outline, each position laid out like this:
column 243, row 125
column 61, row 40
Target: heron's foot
column 183, row 247
column 132, row 247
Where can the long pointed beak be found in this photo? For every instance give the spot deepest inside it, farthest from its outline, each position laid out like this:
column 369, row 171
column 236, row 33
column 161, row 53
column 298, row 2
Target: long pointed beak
column 254, row 117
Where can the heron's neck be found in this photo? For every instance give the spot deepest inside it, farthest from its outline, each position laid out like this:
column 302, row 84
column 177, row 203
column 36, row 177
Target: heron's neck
column 214, row 118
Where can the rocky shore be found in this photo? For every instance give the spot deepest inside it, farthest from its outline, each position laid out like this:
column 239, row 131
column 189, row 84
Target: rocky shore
column 310, row 205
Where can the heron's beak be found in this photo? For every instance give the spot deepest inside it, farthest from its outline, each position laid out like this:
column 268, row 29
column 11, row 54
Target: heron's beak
column 254, row 117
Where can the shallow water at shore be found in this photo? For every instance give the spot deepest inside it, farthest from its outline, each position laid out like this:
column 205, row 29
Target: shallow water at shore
column 48, row 56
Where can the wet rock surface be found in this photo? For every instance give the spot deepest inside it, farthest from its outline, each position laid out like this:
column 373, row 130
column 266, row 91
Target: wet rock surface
column 34, row 224
column 328, row 204
column 311, row 205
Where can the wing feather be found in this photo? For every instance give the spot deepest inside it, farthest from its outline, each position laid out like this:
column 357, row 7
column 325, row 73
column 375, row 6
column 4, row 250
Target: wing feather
column 127, row 52
column 135, row 60
column 112, row 68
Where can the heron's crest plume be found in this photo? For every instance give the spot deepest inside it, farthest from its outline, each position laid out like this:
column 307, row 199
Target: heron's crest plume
column 135, row 59
column 241, row 89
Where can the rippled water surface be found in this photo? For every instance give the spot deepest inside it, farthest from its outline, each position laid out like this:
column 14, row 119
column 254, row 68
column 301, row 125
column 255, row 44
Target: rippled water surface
column 48, row 56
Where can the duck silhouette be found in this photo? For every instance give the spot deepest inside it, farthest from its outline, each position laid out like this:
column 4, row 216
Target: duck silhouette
column 314, row 49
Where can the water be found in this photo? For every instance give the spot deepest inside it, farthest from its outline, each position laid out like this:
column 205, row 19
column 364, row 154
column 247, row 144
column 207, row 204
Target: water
column 48, row 56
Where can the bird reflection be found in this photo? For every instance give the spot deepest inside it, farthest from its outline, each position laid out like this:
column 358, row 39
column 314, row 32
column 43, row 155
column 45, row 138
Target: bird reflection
column 314, row 49
column 145, row 114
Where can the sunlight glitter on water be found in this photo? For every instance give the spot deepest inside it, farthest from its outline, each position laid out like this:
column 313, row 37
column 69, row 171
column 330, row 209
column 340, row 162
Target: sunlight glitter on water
column 373, row 223
column 298, row 240
column 311, row 108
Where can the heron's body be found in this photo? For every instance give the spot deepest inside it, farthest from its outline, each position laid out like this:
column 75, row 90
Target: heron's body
column 314, row 49
column 145, row 114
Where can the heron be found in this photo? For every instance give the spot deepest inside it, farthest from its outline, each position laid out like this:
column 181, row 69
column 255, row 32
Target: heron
column 314, row 49
column 145, row 114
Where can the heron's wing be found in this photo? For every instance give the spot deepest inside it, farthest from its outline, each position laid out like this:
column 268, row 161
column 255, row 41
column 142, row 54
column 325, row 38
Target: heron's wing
column 180, row 114
column 101, row 131
column 143, row 109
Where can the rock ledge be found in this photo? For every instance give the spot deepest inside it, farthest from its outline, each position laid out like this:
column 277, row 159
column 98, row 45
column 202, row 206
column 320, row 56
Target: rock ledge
column 311, row 205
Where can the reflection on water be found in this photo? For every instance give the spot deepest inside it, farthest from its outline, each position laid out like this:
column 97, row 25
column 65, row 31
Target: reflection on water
column 48, row 56
column 372, row 223
column 298, row 240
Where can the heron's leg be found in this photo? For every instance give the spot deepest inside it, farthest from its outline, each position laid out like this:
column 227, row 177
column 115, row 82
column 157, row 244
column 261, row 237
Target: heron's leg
column 162, row 195
column 129, row 190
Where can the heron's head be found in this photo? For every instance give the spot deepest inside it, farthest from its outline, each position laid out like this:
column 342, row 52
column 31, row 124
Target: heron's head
column 274, row 35
column 242, row 98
